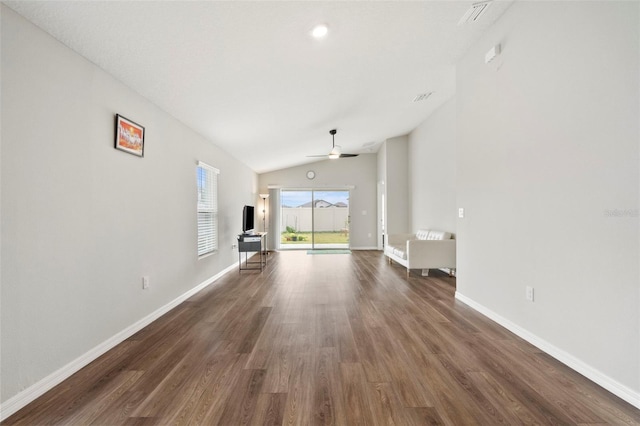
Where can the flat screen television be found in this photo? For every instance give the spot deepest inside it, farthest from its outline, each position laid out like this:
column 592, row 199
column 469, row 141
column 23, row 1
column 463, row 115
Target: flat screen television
column 248, row 214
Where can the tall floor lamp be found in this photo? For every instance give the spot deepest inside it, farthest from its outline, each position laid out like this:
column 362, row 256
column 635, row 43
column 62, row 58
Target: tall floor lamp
column 264, row 219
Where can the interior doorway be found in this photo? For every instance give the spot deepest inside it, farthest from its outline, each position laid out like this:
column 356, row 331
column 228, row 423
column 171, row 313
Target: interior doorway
column 314, row 219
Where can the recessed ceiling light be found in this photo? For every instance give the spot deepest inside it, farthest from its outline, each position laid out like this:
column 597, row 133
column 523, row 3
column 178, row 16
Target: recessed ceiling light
column 320, row 31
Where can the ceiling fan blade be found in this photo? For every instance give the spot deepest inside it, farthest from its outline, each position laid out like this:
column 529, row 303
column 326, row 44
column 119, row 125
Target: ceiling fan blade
column 324, row 155
column 348, row 155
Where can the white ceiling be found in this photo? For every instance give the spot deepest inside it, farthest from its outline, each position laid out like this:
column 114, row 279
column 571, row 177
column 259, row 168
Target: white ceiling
column 249, row 77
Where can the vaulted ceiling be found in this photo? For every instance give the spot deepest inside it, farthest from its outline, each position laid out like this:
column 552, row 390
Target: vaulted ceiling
column 250, row 77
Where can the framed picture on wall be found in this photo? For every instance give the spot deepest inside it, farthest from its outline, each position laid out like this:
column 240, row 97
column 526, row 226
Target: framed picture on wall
column 129, row 136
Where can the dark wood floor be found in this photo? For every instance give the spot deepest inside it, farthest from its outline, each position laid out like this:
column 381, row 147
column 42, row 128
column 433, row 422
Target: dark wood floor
column 326, row 339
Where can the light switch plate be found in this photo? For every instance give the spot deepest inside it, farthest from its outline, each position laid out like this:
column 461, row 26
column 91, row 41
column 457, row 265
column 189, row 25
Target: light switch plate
column 529, row 293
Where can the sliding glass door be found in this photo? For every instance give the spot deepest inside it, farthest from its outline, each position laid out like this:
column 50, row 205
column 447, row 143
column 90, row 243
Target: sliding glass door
column 314, row 219
column 296, row 222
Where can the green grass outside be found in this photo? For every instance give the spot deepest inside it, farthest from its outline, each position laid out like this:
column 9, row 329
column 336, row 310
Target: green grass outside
column 320, row 238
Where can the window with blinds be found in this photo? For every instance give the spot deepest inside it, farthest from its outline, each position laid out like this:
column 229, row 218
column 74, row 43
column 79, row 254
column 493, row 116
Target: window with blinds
column 207, row 208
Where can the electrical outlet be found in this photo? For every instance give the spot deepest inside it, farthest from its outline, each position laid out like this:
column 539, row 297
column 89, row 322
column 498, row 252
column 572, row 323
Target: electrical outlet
column 145, row 282
column 529, row 293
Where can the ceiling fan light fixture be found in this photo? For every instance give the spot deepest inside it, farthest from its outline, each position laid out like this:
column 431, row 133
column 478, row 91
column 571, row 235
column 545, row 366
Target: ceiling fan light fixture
column 319, row 31
column 335, row 152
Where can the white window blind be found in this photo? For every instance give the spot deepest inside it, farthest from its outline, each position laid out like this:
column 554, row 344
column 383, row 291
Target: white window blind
column 207, row 208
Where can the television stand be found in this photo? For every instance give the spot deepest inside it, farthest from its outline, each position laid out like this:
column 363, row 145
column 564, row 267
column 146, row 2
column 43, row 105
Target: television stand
column 252, row 243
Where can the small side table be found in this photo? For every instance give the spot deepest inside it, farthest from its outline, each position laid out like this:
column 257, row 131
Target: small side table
column 256, row 243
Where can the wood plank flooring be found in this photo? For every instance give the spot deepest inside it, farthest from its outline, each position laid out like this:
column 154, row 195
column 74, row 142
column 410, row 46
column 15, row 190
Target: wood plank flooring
column 326, row 339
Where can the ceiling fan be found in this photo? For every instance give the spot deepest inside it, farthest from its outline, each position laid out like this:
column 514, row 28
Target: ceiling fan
column 336, row 151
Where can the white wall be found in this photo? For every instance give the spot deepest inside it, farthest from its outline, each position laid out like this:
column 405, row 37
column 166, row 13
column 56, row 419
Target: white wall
column 432, row 171
column 359, row 172
column 83, row 222
column 382, row 194
column 397, row 185
column 547, row 168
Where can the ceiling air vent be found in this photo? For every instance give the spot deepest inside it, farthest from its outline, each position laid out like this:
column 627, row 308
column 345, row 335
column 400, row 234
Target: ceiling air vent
column 475, row 12
column 422, row 97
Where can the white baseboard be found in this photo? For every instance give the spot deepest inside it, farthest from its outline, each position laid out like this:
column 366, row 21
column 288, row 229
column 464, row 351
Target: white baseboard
column 613, row 386
column 15, row 403
column 365, row 248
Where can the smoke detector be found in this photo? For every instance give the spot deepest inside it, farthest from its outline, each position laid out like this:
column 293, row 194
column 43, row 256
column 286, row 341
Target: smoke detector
column 475, row 12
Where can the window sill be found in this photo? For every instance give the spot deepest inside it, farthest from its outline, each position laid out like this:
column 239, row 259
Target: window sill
column 211, row 253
